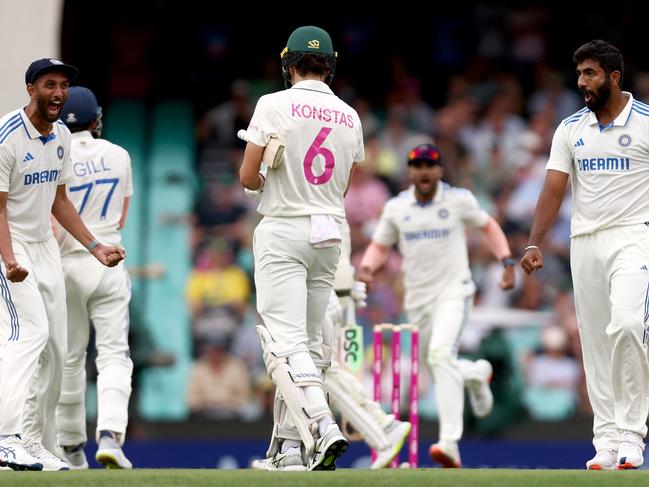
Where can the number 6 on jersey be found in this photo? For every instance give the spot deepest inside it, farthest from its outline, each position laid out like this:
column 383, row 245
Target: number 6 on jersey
column 314, row 150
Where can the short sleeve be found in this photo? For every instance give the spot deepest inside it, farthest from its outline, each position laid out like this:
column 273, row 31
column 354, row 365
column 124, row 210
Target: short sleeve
column 7, row 160
column 472, row 214
column 128, row 183
column 262, row 125
column 386, row 232
column 561, row 152
column 359, row 156
column 66, row 168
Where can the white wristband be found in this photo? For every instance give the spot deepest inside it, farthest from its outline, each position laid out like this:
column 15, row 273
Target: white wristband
column 531, row 247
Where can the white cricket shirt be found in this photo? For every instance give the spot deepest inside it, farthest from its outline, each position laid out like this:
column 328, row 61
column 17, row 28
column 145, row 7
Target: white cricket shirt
column 323, row 138
column 608, row 167
column 101, row 180
column 432, row 240
column 31, row 168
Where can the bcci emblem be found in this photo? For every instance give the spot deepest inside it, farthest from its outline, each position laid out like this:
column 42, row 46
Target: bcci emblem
column 60, row 152
column 443, row 213
column 624, row 140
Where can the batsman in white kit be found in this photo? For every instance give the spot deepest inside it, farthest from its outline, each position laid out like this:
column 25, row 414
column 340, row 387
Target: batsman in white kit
column 428, row 221
column 100, row 189
column 35, row 167
column 297, row 243
column 604, row 149
column 381, row 431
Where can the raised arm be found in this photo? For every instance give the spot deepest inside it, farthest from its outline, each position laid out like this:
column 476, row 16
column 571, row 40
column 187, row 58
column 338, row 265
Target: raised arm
column 66, row 214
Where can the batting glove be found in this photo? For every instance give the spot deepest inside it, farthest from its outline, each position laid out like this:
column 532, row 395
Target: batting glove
column 359, row 294
column 334, row 308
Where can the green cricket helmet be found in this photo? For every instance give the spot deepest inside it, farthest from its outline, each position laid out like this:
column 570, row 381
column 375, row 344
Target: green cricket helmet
column 307, row 40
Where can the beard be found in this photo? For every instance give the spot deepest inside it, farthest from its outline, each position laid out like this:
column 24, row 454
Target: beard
column 599, row 98
column 42, row 104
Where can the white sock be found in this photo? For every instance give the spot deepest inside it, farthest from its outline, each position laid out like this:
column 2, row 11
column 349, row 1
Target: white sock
column 324, row 423
column 287, row 444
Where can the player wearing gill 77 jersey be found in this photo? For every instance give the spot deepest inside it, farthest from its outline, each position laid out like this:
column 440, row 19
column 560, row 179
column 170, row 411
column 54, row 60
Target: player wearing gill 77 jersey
column 428, row 221
column 100, row 189
column 297, row 243
column 604, row 149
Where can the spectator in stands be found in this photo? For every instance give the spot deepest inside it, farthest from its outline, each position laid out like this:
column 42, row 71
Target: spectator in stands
column 219, row 213
column 217, row 290
column 552, row 366
column 219, row 385
column 218, row 127
column 552, row 376
column 395, row 140
column 552, row 93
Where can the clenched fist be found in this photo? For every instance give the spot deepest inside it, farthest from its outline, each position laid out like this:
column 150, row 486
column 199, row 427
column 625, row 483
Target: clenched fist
column 16, row 272
column 532, row 260
column 109, row 255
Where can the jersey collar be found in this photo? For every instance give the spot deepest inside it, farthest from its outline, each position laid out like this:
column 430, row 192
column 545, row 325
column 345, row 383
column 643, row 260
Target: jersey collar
column 312, row 85
column 621, row 119
column 82, row 135
column 439, row 195
column 32, row 132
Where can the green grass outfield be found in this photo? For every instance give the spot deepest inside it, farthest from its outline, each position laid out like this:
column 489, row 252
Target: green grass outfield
column 371, row 478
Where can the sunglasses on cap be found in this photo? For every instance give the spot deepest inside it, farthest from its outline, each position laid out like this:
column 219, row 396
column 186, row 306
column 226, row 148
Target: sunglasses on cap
column 424, row 154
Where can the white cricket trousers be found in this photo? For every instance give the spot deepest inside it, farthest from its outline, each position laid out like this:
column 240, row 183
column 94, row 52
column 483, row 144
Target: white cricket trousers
column 611, row 285
column 293, row 281
column 33, row 329
column 99, row 295
column 441, row 324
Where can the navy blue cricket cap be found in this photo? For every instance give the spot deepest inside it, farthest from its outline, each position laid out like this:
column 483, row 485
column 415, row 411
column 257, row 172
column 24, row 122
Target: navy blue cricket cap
column 47, row 65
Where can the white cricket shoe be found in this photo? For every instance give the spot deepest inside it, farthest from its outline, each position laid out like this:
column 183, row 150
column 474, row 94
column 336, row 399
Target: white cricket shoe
column 289, row 461
column 51, row 463
column 605, row 459
column 14, row 455
column 397, row 432
column 446, row 453
column 631, row 452
column 480, row 396
column 259, row 464
column 109, row 452
column 327, row 448
column 74, row 456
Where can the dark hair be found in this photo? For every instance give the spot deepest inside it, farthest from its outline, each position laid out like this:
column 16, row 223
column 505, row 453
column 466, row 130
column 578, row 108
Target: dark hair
column 607, row 55
column 80, row 127
column 313, row 63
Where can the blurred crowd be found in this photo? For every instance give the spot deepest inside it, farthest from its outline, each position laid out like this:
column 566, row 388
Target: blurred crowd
column 495, row 141
column 494, row 121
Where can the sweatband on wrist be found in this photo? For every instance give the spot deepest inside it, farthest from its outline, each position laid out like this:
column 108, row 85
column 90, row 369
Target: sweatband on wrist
column 531, row 247
column 92, row 244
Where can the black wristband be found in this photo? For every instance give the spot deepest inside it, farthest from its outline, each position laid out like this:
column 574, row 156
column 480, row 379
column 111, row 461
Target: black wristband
column 508, row 262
